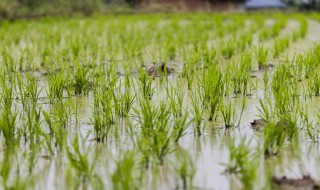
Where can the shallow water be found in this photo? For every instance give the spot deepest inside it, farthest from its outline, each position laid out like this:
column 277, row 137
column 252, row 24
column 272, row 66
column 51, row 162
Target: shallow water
column 209, row 152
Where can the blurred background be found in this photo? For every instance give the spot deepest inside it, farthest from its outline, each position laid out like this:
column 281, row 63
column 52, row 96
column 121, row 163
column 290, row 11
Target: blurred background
column 12, row 9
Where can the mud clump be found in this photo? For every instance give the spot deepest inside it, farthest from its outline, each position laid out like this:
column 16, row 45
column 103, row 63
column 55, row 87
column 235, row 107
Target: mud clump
column 304, row 183
column 157, row 69
column 266, row 67
column 258, row 124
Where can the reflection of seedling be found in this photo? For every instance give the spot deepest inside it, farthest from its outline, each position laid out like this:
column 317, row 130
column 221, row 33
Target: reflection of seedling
column 185, row 169
column 243, row 162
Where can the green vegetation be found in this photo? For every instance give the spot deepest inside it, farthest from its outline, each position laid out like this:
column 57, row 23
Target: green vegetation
column 157, row 101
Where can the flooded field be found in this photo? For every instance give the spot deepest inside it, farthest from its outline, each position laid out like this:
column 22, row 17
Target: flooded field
column 178, row 101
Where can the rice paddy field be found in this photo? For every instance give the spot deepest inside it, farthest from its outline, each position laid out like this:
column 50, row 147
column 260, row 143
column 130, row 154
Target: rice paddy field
column 161, row 101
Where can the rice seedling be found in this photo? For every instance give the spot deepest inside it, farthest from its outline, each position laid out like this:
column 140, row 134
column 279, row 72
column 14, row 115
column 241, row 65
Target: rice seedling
column 227, row 49
column 154, row 123
column 103, row 112
column 106, row 78
column 212, row 87
column 180, row 126
column 261, row 57
column 273, row 31
column 80, row 79
column 314, row 85
column 146, row 84
column 245, row 40
column 175, row 97
column 56, row 85
column 8, row 122
column 228, row 115
column 280, row 45
column 241, row 78
column 312, row 132
column 8, row 61
column 276, row 134
column 198, row 112
column 266, row 109
column 209, row 57
column 57, row 136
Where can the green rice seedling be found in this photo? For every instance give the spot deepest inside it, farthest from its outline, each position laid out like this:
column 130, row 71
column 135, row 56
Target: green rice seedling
column 30, row 117
column 180, row 126
column 57, row 134
column 272, row 31
column 123, row 99
column 175, row 97
column 62, row 112
column 309, row 62
column 209, row 57
column 303, row 27
column 274, row 138
column 240, row 78
column 8, row 61
column 191, row 65
column 145, row 83
column 126, row 101
column 79, row 161
column 312, row 132
column 266, row 109
column 29, row 92
column 295, row 35
column 103, row 114
column 228, row 115
column 161, row 145
column 146, row 117
column 56, row 84
column 155, row 130
column 261, row 57
column 314, row 85
column 80, row 80
column 8, row 128
column 227, row 49
column 276, row 28
column 212, row 87
column 266, row 79
column 283, row 96
column 126, row 175
column 298, row 72
column 244, row 41
column 280, row 45
column 184, row 168
column 8, row 117
column 246, row 62
column 243, row 105
column 198, row 112
column 170, row 51
column 243, row 162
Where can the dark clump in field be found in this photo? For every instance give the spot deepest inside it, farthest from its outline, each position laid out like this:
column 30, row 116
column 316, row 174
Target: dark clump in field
column 157, row 69
column 258, row 124
column 265, row 67
column 304, row 183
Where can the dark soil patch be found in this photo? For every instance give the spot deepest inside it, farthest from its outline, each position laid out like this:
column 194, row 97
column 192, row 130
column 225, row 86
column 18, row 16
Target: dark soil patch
column 304, row 183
